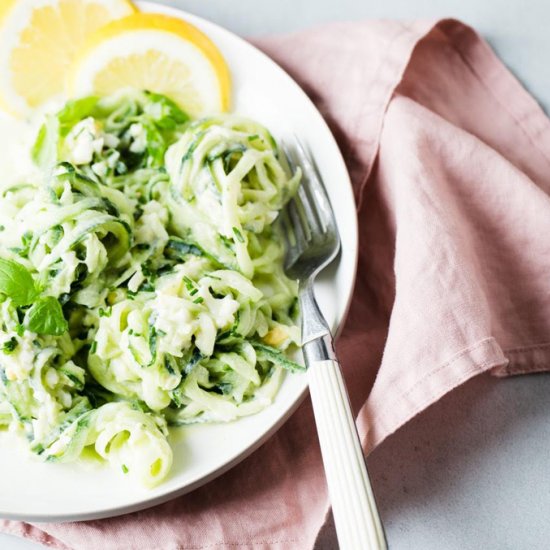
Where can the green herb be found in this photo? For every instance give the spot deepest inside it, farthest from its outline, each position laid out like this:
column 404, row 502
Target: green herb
column 166, row 114
column 105, row 312
column 189, row 284
column 74, row 111
column 146, row 286
column 125, row 469
column 38, row 449
column 10, row 345
column 46, row 317
column 153, row 335
column 276, row 356
column 147, row 270
column 138, row 212
column 252, row 138
column 17, row 283
column 57, row 233
column 226, row 242
column 193, row 362
column 191, row 148
column 198, row 300
column 168, row 366
column 26, row 238
column 238, row 234
column 110, row 208
column 66, row 166
column 225, row 388
column 121, row 168
column 53, row 195
column 178, row 249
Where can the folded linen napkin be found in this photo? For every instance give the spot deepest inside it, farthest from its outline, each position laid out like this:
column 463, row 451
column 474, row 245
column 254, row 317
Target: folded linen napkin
column 450, row 161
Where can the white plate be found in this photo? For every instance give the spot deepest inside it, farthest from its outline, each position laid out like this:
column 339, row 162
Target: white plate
column 35, row 491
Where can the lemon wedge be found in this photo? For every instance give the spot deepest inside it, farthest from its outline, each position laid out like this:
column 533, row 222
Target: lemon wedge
column 157, row 53
column 38, row 41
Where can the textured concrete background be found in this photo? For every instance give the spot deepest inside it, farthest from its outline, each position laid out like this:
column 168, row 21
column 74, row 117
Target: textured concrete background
column 471, row 472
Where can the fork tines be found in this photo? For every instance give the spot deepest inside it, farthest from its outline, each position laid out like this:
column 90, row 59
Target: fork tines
column 308, row 221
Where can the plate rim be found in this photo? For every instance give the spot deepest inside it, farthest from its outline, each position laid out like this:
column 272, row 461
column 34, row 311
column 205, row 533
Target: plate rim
column 145, row 502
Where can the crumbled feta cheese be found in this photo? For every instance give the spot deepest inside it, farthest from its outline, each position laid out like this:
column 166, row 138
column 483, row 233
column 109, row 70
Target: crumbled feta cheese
column 151, row 225
column 222, row 310
column 100, row 168
column 51, row 378
column 175, row 320
column 112, row 159
column 139, row 138
column 96, row 255
column 65, row 399
column 111, row 140
column 135, row 282
column 83, row 141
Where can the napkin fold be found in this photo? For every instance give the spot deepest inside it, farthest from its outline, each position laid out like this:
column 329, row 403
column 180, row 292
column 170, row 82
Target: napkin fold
column 450, row 162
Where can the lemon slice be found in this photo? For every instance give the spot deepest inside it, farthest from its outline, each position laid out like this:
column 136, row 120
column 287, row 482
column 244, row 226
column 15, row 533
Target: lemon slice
column 157, row 53
column 38, row 40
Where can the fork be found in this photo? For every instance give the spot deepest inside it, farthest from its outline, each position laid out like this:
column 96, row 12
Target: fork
column 312, row 243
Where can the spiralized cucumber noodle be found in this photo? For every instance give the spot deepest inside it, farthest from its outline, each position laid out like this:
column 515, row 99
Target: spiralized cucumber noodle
column 141, row 280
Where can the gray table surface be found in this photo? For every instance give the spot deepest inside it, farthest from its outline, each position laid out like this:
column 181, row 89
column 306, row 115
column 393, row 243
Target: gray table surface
column 472, row 471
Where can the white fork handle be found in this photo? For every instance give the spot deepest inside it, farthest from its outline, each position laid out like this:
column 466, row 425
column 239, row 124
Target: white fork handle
column 356, row 518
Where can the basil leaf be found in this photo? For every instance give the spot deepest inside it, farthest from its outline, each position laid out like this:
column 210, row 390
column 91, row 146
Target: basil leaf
column 10, row 345
column 17, row 283
column 165, row 113
column 75, row 111
column 46, row 317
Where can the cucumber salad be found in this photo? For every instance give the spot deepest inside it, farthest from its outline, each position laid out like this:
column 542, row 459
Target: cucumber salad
column 141, row 280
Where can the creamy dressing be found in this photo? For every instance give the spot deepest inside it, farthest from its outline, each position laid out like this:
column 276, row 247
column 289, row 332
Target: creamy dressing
column 166, row 324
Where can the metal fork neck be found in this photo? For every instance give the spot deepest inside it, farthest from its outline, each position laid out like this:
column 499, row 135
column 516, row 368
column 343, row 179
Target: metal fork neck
column 320, row 349
column 316, row 337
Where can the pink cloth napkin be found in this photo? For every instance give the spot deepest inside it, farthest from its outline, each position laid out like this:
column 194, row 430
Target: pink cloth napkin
column 449, row 158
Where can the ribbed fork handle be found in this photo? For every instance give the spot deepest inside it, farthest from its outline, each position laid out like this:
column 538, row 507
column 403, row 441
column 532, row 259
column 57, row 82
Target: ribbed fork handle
column 358, row 524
